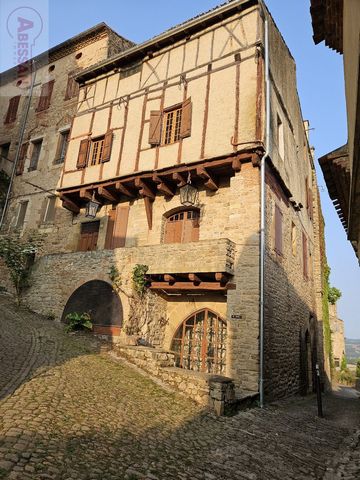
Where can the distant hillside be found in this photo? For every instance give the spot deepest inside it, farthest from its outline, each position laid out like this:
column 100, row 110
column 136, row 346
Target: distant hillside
column 352, row 349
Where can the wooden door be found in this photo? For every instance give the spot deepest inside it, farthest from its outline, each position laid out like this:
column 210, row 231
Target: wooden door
column 88, row 236
column 182, row 227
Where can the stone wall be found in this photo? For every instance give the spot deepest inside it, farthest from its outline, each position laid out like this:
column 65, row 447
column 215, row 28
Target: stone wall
column 337, row 336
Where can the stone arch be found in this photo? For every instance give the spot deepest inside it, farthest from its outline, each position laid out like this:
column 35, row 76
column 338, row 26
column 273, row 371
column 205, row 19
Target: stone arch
column 102, row 302
column 200, row 341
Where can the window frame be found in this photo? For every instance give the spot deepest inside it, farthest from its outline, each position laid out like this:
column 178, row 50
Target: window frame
column 45, row 220
column 19, row 214
column 34, row 164
column 99, row 154
column 63, row 143
column 171, row 130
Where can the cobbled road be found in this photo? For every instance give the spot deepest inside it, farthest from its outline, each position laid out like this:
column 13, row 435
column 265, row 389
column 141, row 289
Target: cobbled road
column 69, row 411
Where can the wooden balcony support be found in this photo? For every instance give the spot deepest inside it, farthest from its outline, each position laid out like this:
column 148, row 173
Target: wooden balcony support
column 124, row 190
column 85, row 194
column 210, row 183
column 181, row 282
column 69, row 204
column 163, row 186
column 104, row 193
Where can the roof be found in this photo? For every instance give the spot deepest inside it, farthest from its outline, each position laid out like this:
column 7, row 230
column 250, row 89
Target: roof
column 327, row 22
column 64, row 48
column 336, row 169
column 168, row 37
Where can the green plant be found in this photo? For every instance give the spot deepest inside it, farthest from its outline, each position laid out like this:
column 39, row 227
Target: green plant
column 78, row 321
column 333, row 295
column 139, row 278
column 358, row 368
column 343, row 365
column 18, row 255
column 345, row 377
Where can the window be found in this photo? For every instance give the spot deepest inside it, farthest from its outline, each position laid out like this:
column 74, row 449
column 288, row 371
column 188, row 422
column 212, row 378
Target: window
column 305, row 256
column 95, row 150
column 4, row 151
column 45, row 96
column 49, row 213
column 280, row 137
column 35, row 154
column 21, row 160
column 21, row 214
column 278, row 231
column 12, row 109
column 62, row 147
column 293, row 239
column 89, row 233
column 200, row 343
column 72, row 88
column 182, row 227
column 117, row 227
column 170, row 125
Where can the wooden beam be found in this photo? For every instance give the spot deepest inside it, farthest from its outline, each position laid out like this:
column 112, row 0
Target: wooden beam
column 221, row 277
column 149, row 211
column 124, row 190
column 169, row 278
column 144, row 190
column 69, row 204
column 163, row 186
column 107, row 195
column 194, row 278
column 236, row 164
column 179, row 179
column 203, row 286
column 85, row 194
column 255, row 160
column 209, row 181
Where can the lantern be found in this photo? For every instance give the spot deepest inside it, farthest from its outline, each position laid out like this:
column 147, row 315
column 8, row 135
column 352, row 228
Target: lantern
column 188, row 194
column 92, row 207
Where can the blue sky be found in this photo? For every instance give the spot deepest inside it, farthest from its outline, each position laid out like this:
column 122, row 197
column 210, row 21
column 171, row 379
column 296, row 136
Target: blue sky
column 320, row 85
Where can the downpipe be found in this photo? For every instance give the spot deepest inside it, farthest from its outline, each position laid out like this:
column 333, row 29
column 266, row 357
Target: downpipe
column 20, row 141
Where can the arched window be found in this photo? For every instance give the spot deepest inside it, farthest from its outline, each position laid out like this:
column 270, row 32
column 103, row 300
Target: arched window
column 200, row 343
column 182, row 226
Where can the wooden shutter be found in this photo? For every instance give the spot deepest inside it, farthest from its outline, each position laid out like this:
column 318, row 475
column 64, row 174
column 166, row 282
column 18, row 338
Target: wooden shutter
column 58, row 148
column 185, row 127
column 83, row 153
column 12, row 109
column 21, row 160
column 72, row 87
column 110, row 229
column 278, row 231
column 155, row 127
column 45, row 96
column 88, row 236
column 305, row 256
column 107, row 147
column 120, row 226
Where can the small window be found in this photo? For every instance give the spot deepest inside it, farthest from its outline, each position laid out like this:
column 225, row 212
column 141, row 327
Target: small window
column 305, row 256
column 35, row 155
column 337, row 362
column 12, row 109
column 49, row 214
column 21, row 214
column 4, row 151
column 72, row 88
column 45, row 96
column 96, row 150
column 171, row 126
column 182, row 227
column 62, row 147
column 280, row 137
column 293, row 239
column 278, row 230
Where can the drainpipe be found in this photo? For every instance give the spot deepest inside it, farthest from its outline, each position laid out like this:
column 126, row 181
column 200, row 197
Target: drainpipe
column 20, row 141
column 263, row 209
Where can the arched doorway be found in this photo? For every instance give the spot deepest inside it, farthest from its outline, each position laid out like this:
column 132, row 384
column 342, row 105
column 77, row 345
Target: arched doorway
column 102, row 302
column 200, row 343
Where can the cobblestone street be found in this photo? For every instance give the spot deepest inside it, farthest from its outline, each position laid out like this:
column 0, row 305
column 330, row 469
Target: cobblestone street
column 69, row 411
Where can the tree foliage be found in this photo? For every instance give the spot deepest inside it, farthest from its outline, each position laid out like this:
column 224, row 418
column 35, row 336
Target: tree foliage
column 18, row 255
column 333, row 295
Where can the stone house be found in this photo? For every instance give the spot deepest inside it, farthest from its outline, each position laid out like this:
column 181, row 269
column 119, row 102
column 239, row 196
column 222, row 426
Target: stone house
column 337, row 336
column 337, row 23
column 186, row 110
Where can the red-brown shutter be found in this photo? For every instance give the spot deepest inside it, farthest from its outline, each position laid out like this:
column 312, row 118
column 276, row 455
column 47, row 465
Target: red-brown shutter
column 110, row 229
column 21, row 160
column 278, row 230
column 120, row 226
column 169, row 231
column 83, row 152
column 155, row 127
column 72, row 87
column 107, row 146
column 12, row 109
column 88, row 236
column 185, row 127
column 45, row 96
column 305, row 256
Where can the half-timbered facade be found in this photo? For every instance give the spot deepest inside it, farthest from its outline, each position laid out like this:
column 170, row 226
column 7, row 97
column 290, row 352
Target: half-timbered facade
column 189, row 107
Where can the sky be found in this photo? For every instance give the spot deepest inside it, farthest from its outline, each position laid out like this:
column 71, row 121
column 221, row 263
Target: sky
column 320, row 86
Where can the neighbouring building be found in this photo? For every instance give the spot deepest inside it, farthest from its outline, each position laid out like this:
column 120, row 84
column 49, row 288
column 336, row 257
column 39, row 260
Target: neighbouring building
column 337, row 336
column 53, row 104
column 189, row 106
column 337, row 23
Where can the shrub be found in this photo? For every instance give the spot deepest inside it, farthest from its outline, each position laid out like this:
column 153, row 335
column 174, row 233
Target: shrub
column 333, row 295
column 343, row 365
column 78, row 321
column 346, row 377
column 358, row 368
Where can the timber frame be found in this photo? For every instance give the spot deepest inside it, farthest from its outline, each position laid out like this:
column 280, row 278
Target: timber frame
column 178, row 283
